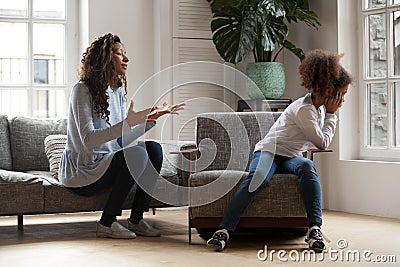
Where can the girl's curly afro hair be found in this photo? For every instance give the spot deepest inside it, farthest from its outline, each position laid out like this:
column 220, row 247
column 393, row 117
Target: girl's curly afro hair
column 321, row 73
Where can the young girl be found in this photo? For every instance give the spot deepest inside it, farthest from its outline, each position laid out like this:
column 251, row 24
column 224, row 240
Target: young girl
column 310, row 119
column 99, row 133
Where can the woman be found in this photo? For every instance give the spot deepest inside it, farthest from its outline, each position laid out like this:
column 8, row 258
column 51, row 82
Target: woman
column 309, row 119
column 100, row 131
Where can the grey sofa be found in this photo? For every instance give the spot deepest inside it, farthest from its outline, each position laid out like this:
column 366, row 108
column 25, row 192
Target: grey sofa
column 226, row 142
column 26, row 185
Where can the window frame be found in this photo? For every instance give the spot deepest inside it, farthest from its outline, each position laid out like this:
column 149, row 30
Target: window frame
column 367, row 152
column 71, row 60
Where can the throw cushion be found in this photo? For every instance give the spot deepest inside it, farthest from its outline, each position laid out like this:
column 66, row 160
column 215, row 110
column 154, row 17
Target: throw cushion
column 17, row 177
column 54, row 146
column 27, row 136
column 5, row 149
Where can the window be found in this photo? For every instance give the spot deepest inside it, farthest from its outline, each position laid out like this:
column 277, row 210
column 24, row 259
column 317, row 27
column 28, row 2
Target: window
column 381, row 79
column 37, row 36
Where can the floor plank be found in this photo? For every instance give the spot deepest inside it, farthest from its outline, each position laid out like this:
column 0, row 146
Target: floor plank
column 69, row 240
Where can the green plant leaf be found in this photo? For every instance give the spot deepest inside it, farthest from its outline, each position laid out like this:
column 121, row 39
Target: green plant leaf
column 233, row 33
column 275, row 7
column 274, row 32
column 306, row 16
column 298, row 52
column 260, row 26
column 217, row 4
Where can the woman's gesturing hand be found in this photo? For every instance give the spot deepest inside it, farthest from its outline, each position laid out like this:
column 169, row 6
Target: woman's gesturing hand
column 137, row 117
column 158, row 111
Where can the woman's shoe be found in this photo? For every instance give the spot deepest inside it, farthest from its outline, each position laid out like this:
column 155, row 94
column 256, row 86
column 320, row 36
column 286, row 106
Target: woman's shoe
column 115, row 231
column 143, row 228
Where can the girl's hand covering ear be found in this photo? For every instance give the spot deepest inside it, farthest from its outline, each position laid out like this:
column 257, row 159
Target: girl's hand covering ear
column 334, row 103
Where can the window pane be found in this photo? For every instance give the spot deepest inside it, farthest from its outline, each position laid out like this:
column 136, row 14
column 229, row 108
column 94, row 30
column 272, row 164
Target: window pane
column 395, row 2
column 377, row 46
column 396, row 114
column 396, row 40
column 13, row 54
column 14, row 102
column 48, row 103
column 375, row 3
column 48, row 56
column 49, row 9
column 14, row 8
column 378, row 114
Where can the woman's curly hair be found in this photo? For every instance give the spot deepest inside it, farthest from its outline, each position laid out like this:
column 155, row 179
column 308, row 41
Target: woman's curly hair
column 97, row 70
column 321, row 73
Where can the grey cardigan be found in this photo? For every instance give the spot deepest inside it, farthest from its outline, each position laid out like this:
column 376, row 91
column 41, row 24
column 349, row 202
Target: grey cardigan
column 91, row 142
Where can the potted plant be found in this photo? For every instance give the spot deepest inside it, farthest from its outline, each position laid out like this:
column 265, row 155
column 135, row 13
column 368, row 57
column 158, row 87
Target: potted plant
column 261, row 27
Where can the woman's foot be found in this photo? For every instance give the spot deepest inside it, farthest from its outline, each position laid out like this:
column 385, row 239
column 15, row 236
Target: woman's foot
column 116, row 230
column 143, row 228
column 219, row 239
column 315, row 239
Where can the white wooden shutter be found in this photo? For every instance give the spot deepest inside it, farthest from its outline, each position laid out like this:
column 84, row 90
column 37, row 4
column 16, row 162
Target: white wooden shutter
column 192, row 42
column 199, row 96
column 191, row 19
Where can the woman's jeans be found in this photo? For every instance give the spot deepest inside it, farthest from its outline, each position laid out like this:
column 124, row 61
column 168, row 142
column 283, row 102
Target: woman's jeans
column 147, row 161
column 263, row 166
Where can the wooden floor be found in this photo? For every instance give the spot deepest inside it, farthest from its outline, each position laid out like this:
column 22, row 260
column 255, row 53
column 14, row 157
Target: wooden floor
column 69, row 240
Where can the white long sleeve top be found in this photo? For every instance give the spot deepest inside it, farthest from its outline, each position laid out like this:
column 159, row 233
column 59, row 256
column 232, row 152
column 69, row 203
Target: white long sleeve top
column 91, row 142
column 300, row 125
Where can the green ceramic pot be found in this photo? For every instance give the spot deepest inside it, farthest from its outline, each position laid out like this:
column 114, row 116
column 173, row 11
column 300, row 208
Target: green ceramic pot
column 269, row 77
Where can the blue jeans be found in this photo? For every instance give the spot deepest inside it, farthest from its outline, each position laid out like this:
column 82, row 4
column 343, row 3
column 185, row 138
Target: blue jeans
column 262, row 167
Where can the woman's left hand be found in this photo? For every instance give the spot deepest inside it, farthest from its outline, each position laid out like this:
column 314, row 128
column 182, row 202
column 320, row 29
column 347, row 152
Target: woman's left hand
column 165, row 108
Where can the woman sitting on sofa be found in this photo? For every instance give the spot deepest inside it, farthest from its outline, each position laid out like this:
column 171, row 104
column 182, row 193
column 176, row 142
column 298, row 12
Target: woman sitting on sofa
column 99, row 131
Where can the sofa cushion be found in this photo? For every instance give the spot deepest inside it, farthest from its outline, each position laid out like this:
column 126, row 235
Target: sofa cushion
column 45, row 177
column 170, row 161
column 27, row 141
column 57, row 198
column 280, row 198
column 54, row 146
column 5, row 149
column 20, row 193
column 61, row 199
column 17, row 177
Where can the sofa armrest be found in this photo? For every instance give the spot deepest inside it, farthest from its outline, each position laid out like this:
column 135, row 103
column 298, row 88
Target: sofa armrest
column 310, row 152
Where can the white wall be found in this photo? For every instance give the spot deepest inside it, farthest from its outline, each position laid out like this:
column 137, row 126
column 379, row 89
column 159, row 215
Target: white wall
column 309, row 38
column 132, row 21
column 366, row 187
column 142, row 26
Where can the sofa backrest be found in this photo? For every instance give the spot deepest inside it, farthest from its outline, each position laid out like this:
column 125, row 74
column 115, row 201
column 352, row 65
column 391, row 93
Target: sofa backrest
column 27, row 141
column 226, row 139
column 5, row 148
